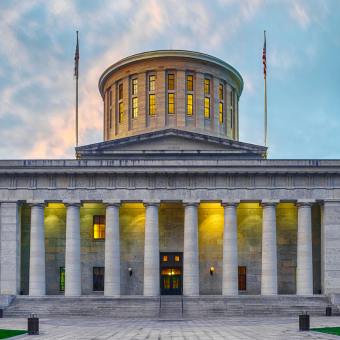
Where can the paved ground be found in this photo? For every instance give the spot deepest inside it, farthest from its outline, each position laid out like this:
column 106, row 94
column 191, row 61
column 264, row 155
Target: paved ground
column 285, row 328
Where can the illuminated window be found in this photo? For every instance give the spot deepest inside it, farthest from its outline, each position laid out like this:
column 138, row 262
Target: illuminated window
column 176, row 258
column 62, row 279
column 231, row 111
column 120, row 91
column 221, row 91
column 110, row 118
column 171, row 82
column 110, row 98
column 207, row 86
column 99, row 227
column 207, row 107
column 221, row 112
column 171, row 103
column 165, row 258
column 242, row 278
column 152, row 105
column 152, row 83
column 121, row 112
column 134, row 107
column 98, row 279
column 134, row 86
column 190, row 83
column 189, row 104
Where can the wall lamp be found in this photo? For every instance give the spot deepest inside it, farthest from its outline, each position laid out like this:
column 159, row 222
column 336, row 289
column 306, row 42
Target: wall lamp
column 130, row 271
column 212, row 271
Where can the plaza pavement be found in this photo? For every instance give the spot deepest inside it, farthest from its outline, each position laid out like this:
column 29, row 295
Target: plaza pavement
column 90, row 328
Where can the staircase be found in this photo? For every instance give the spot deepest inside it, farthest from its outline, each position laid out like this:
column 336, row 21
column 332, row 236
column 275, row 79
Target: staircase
column 168, row 307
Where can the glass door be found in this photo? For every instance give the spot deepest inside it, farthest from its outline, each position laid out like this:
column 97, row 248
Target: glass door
column 171, row 281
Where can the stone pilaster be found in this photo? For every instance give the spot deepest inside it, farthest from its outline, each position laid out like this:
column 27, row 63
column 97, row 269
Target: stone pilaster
column 269, row 248
column 37, row 276
column 190, row 255
column 112, row 249
column 72, row 251
column 304, row 284
column 230, row 258
column 151, row 249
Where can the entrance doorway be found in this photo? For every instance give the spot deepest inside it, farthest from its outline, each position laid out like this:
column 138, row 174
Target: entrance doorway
column 171, row 273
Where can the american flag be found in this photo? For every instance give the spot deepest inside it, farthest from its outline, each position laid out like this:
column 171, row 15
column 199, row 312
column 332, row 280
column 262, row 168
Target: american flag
column 76, row 60
column 264, row 57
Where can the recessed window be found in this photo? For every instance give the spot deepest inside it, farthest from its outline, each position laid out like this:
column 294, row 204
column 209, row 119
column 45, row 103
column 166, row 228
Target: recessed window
column 221, row 91
column 165, row 258
column 62, row 279
column 134, row 86
column 152, row 104
column 99, row 227
column 134, row 107
column 190, row 86
column 110, row 118
column 120, row 91
column 207, row 107
column 221, row 112
column 176, row 258
column 171, row 103
column 110, row 98
column 207, row 86
column 98, row 279
column 189, row 108
column 242, row 278
column 152, row 83
column 171, row 82
column 121, row 112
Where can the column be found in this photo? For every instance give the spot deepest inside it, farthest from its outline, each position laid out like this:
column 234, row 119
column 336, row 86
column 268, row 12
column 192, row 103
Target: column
column 190, row 254
column 10, row 247
column 72, row 252
column 304, row 284
column 269, row 249
column 37, row 278
column 151, row 249
column 230, row 258
column 112, row 249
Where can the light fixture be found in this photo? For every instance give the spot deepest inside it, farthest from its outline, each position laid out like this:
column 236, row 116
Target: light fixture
column 212, row 271
column 130, row 270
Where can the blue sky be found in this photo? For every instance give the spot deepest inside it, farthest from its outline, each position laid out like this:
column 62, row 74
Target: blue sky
column 38, row 39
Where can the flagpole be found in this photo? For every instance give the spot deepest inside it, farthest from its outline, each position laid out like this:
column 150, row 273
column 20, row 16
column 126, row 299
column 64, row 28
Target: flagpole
column 265, row 104
column 77, row 99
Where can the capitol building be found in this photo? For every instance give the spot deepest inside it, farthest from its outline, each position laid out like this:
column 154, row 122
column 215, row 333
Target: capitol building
column 171, row 202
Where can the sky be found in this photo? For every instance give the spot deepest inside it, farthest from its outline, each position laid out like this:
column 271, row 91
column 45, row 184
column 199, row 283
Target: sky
column 37, row 47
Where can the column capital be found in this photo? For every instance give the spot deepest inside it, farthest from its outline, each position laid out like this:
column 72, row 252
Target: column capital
column 112, row 203
column 191, row 203
column 154, row 203
column 305, row 202
column 40, row 203
column 232, row 203
column 269, row 203
column 71, row 203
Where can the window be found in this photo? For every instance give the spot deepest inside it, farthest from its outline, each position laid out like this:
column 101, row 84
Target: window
column 190, row 83
column 99, row 227
column 241, row 278
column 110, row 118
column 134, row 107
column 221, row 92
column 171, row 103
column 121, row 112
column 189, row 104
column 110, row 98
column 171, row 82
column 134, row 86
column 207, row 107
column 120, row 91
column 231, row 110
column 221, row 112
column 62, row 279
column 98, row 279
column 176, row 258
column 152, row 105
column 152, row 83
column 207, row 86
column 165, row 258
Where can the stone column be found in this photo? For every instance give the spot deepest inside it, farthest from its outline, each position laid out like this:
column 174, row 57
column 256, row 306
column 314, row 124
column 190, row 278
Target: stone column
column 304, row 248
column 37, row 278
column 230, row 258
column 112, row 249
column 10, row 247
column 269, row 249
column 190, row 255
column 72, row 252
column 151, row 249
